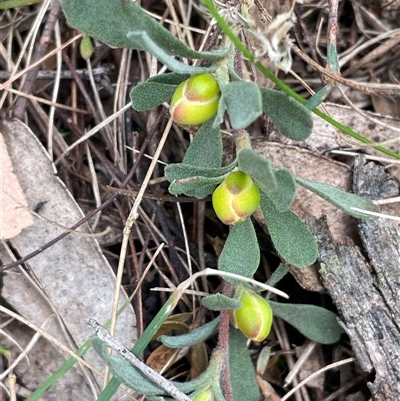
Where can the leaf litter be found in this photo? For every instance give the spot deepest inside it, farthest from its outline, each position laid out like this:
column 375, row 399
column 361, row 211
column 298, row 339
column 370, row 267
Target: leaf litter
column 73, row 173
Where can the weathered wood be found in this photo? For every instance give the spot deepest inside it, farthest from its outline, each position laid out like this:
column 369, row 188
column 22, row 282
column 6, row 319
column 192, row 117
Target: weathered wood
column 367, row 292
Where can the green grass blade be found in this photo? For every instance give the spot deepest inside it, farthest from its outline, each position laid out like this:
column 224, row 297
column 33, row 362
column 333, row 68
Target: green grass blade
column 6, row 5
column 65, row 367
column 142, row 343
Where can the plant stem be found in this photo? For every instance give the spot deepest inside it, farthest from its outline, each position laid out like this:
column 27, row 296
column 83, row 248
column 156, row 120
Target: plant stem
column 223, row 341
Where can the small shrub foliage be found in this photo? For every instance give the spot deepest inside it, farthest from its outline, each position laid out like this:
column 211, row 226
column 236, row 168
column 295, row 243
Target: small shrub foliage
column 199, row 95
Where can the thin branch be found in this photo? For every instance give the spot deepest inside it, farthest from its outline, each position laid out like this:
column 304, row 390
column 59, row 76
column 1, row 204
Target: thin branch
column 98, row 73
column 104, row 335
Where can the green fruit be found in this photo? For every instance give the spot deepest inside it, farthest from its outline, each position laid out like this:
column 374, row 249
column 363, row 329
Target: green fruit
column 86, row 47
column 254, row 317
column 195, row 100
column 236, row 198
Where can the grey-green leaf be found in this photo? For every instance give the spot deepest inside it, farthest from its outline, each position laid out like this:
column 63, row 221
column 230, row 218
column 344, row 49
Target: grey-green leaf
column 136, row 380
column 193, row 337
column 179, row 171
column 290, row 117
column 259, row 168
column 219, row 302
column 125, row 372
column 316, row 323
column 199, row 187
column 341, row 199
column 243, row 103
column 278, row 274
column 285, row 191
column 125, row 24
column 205, row 149
column 155, row 90
column 143, row 40
column 291, row 238
column 219, row 117
column 317, row 98
column 241, row 253
column 241, row 368
column 219, row 396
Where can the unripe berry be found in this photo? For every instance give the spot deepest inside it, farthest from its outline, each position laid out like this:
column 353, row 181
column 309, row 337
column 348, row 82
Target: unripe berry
column 195, row 100
column 236, row 198
column 86, row 47
column 254, row 317
column 206, row 395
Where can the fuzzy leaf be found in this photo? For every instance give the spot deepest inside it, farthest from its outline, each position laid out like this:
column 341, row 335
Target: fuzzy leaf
column 143, row 40
column 290, row 117
column 218, row 302
column 259, row 168
column 193, row 337
column 125, row 372
column 199, row 187
column 285, row 192
column 243, row 103
column 241, row 368
column 278, row 274
column 125, row 24
column 136, row 380
column 291, row 238
column 205, row 149
column 179, row 171
column 317, row 98
column 216, row 387
column 316, row 323
column 219, row 117
column 155, row 90
column 341, row 199
column 241, row 253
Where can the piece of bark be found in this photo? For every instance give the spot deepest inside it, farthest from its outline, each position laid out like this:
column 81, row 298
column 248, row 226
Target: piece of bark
column 367, row 294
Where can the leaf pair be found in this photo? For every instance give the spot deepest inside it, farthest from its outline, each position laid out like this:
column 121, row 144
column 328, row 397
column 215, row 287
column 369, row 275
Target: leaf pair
column 278, row 185
column 136, row 380
column 314, row 322
column 245, row 102
column 291, row 238
column 200, row 170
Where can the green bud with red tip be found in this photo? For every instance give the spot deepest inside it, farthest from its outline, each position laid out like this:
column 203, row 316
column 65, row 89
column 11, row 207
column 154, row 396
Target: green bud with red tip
column 195, row 100
column 254, row 317
column 86, row 47
column 236, row 198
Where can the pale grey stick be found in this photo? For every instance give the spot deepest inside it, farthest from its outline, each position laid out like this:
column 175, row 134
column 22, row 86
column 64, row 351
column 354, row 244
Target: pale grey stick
column 105, row 336
column 98, row 73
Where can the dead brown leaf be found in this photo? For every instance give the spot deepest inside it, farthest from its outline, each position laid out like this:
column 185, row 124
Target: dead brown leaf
column 198, row 358
column 162, row 357
column 13, row 216
column 313, row 363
